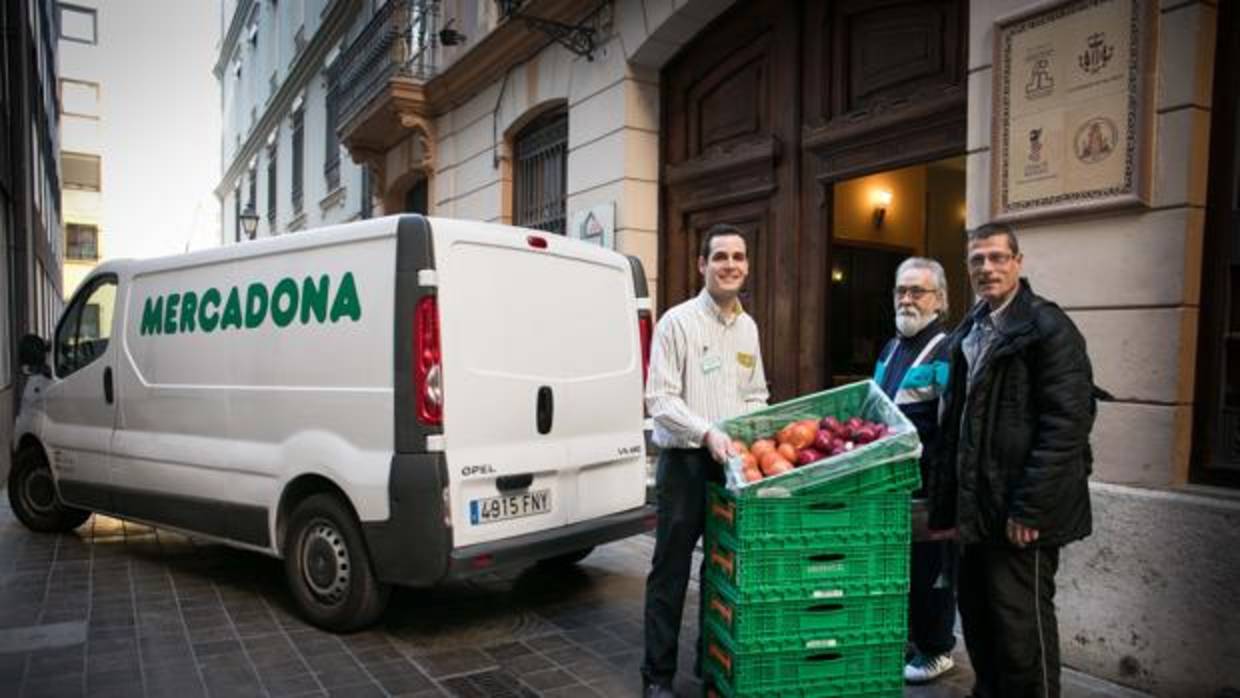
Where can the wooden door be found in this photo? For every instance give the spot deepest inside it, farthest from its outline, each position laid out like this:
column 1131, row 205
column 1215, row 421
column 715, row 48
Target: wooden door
column 729, row 155
column 766, row 109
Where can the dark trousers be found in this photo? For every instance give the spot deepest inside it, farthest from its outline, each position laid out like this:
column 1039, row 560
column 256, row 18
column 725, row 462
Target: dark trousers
column 1007, row 610
column 932, row 597
column 681, row 485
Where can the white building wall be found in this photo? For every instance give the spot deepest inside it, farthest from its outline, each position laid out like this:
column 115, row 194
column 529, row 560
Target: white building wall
column 246, row 98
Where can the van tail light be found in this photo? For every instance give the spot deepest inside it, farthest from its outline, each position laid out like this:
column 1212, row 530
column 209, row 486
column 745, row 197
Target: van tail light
column 427, row 363
column 645, row 330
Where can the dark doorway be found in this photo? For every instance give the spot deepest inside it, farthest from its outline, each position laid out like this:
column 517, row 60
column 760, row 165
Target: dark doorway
column 416, row 198
column 861, row 308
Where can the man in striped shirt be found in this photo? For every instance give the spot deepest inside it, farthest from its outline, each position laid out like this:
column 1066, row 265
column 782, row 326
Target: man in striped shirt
column 705, row 366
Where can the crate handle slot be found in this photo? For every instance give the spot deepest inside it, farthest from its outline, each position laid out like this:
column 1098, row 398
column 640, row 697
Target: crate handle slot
column 826, row 608
column 726, row 512
column 828, row 506
column 721, row 656
column 827, row 557
column 722, row 609
column 723, row 561
column 824, row 657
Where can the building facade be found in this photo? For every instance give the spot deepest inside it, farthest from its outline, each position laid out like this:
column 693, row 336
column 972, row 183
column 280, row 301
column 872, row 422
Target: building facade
column 81, row 141
column 842, row 137
column 30, row 214
column 280, row 156
column 134, row 185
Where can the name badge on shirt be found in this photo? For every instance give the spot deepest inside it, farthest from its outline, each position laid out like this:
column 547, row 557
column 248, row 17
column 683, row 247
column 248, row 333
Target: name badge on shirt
column 744, row 359
column 711, row 363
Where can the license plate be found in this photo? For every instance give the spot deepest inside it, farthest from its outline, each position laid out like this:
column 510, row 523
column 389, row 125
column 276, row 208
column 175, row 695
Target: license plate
column 511, row 506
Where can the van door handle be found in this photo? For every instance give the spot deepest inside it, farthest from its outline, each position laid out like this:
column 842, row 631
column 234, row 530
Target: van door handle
column 107, row 385
column 546, row 409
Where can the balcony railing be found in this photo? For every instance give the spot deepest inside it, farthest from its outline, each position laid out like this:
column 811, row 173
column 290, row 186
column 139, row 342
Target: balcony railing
column 398, row 42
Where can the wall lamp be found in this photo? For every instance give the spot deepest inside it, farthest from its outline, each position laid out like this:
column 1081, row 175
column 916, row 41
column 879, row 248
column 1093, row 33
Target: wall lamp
column 882, row 199
column 249, row 221
column 449, row 36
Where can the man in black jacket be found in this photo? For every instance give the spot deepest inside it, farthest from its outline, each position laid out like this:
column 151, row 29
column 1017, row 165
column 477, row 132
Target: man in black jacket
column 1015, row 462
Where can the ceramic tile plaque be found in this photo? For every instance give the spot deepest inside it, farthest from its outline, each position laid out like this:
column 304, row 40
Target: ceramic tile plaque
column 1073, row 108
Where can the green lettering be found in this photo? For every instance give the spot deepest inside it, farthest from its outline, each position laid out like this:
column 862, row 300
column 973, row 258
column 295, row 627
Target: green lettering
column 170, row 313
column 255, row 305
column 189, row 303
column 346, row 303
column 152, row 316
column 232, row 310
column 314, row 299
column 286, row 291
column 210, row 297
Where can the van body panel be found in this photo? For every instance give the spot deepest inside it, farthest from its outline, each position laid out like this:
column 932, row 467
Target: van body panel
column 304, row 386
column 510, row 331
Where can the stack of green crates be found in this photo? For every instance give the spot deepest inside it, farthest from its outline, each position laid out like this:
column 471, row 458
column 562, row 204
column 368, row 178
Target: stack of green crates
column 806, row 583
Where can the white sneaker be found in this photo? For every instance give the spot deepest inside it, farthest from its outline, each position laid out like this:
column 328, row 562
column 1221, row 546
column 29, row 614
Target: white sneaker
column 922, row 669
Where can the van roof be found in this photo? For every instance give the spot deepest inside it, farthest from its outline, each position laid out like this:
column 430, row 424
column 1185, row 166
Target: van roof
column 345, row 232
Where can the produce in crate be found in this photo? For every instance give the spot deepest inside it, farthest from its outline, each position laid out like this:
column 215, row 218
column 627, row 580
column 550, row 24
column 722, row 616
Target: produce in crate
column 802, row 442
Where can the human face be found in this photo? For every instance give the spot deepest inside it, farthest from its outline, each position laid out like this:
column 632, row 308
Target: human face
column 993, row 270
column 726, row 268
column 918, row 301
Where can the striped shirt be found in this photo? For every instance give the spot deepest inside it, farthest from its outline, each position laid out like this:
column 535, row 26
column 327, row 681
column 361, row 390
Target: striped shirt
column 704, row 367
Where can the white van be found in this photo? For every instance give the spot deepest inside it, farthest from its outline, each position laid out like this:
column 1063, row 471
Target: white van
column 395, row 401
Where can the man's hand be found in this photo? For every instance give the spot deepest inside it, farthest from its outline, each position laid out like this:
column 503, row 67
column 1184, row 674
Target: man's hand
column 719, row 444
column 1019, row 534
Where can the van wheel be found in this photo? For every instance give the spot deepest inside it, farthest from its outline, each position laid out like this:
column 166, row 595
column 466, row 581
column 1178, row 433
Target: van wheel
column 567, row 558
column 33, row 495
column 328, row 568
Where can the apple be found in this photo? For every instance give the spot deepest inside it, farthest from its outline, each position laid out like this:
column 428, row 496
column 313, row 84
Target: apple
column 808, row 455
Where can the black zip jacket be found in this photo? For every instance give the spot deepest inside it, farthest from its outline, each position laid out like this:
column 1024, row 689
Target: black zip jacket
column 1017, row 445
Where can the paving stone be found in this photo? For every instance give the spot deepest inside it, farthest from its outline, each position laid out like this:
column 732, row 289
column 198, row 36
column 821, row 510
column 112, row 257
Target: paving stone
column 549, row 679
column 291, row 685
column 456, row 662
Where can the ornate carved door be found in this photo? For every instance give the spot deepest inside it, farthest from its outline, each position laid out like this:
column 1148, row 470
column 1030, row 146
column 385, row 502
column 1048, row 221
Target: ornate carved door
column 730, row 155
column 771, row 105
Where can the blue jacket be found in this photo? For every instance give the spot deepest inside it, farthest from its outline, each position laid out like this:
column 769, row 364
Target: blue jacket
column 913, row 371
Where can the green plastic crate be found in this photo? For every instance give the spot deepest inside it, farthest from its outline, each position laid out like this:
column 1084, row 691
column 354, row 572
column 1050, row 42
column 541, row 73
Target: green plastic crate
column 849, row 670
column 895, row 455
column 827, row 570
column 770, row 521
column 803, row 622
column 870, row 689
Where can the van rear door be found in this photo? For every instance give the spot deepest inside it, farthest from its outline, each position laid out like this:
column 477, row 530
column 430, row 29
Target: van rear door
column 542, row 380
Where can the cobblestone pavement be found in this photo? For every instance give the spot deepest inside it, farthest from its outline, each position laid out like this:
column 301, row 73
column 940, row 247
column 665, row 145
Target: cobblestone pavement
column 123, row 610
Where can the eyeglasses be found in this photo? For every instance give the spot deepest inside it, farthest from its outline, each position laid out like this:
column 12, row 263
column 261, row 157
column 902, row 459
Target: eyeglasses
column 914, row 292
column 996, row 259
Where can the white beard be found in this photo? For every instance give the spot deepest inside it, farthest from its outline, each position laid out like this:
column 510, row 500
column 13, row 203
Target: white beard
column 910, row 325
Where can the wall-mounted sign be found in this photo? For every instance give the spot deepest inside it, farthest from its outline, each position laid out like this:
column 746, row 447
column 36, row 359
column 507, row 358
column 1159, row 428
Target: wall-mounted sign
column 596, row 224
column 1073, row 107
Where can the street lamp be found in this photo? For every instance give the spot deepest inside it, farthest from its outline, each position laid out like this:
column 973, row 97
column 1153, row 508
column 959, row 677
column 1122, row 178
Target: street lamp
column 249, row 221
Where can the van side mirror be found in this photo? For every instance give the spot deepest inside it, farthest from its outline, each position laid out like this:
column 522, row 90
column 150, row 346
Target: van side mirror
column 32, row 353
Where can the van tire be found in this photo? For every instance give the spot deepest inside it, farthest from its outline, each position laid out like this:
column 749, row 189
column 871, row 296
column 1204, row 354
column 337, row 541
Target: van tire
column 567, row 559
column 328, row 568
column 35, row 498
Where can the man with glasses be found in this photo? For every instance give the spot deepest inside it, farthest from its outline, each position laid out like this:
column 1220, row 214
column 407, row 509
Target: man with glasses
column 912, row 370
column 1015, row 459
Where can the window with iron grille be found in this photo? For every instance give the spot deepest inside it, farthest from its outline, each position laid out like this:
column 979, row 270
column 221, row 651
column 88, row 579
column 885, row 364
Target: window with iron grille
column 368, row 205
column 298, row 148
column 237, row 214
column 272, row 199
column 81, row 241
column 331, row 142
column 540, row 173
